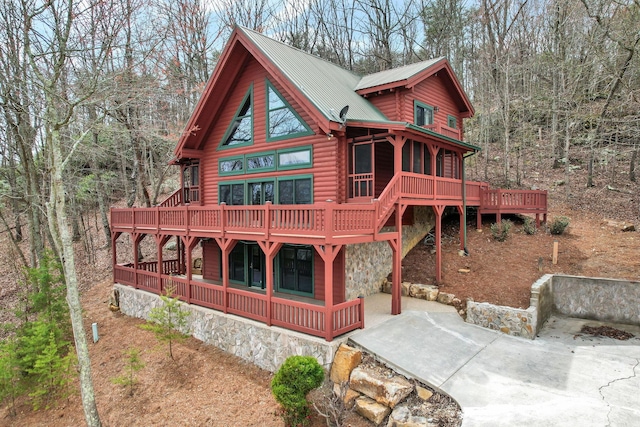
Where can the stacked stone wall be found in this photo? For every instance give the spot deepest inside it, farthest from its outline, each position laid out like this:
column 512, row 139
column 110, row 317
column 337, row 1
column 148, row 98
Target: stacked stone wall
column 264, row 346
column 367, row 265
column 607, row 300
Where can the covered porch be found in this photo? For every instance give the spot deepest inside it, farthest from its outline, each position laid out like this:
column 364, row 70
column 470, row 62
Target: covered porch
column 325, row 315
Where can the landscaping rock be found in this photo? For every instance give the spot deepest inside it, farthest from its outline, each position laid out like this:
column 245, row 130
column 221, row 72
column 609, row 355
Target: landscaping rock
column 348, row 396
column 423, row 393
column 426, row 292
column 345, row 360
column 445, row 298
column 371, row 410
column 405, row 288
column 386, row 390
column 386, row 287
column 401, row 417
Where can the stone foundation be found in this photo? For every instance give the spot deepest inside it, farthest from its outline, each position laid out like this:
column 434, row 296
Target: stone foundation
column 605, row 300
column 367, row 265
column 255, row 342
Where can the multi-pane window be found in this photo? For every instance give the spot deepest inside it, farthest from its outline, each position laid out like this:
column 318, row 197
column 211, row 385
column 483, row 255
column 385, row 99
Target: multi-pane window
column 295, row 191
column 231, row 193
column 231, row 166
column 240, row 131
column 261, row 192
column 452, row 122
column 423, row 114
column 296, row 269
column 282, row 120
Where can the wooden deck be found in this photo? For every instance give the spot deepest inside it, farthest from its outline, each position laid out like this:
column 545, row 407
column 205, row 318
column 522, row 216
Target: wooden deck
column 323, row 223
column 278, row 310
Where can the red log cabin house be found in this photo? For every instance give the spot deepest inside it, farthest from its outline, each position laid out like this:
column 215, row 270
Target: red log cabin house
column 303, row 185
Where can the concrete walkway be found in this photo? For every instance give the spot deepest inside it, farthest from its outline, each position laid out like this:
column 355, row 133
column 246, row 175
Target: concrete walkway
column 562, row 378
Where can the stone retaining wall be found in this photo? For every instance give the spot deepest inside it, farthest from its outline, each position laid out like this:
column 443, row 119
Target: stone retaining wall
column 264, row 346
column 367, row 265
column 607, row 300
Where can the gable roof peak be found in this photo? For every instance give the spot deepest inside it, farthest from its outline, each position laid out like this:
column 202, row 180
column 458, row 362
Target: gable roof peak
column 397, row 74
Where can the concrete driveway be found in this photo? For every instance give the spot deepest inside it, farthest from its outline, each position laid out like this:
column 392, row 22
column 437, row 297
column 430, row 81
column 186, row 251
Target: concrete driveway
column 562, row 378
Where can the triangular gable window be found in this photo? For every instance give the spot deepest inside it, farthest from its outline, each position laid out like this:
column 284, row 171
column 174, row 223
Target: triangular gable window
column 282, row 120
column 240, row 131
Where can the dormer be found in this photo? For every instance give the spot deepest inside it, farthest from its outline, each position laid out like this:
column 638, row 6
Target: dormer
column 426, row 94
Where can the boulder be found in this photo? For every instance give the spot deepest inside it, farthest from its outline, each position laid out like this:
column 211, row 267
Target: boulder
column 386, row 286
column 426, row 292
column 386, row 390
column 401, row 417
column 371, row 410
column 348, row 396
column 405, row 288
column 345, row 360
column 445, row 298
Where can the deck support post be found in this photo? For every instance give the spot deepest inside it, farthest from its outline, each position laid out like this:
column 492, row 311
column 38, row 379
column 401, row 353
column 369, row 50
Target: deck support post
column 463, row 217
column 137, row 238
column 189, row 243
column 114, row 253
column 396, row 272
column 159, row 244
column 328, row 253
column 439, row 209
column 226, row 246
column 270, row 250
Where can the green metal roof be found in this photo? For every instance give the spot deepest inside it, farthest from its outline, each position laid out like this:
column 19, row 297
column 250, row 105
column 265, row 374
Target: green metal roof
column 328, row 86
column 395, row 74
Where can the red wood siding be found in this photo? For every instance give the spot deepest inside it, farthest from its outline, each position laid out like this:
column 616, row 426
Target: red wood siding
column 433, row 91
column 338, row 277
column 325, row 149
column 210, row 260
column 388, row 104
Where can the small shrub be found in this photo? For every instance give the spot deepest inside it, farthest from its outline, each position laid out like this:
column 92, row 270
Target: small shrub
column 133, row 364
column 500, row 231
column 558, row 225
column 529, row 226
column 297, row 376
column 168, row 321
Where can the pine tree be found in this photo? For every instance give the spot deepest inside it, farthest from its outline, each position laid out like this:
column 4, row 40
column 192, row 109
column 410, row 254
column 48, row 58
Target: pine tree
column 169, row 321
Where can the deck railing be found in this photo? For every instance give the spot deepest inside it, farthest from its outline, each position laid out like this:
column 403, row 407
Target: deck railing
column 324, row 220
column 444, row 130
column 320, row 220
column 533, row 201
column 295, row 315
column 173, row 200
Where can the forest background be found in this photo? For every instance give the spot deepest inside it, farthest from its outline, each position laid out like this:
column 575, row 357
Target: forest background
column 95, row 94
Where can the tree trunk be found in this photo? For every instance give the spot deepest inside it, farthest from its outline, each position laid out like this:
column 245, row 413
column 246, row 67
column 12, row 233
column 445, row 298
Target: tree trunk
column 56, row 208
column 632, row 165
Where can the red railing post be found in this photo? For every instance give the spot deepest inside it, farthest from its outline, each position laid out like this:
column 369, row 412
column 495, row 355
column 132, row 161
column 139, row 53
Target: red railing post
column 329, row 220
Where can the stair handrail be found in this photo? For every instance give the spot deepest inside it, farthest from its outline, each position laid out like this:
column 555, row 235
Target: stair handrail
column 387, row 199
column 173, row 200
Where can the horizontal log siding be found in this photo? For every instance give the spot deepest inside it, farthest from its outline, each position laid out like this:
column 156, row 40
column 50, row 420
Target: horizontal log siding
column 318, row 276
column 387, row 104
column 324, row 150
column 210, row 260
column 436, row 93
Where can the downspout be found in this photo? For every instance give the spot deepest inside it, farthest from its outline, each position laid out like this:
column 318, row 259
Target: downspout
column 464, row 202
